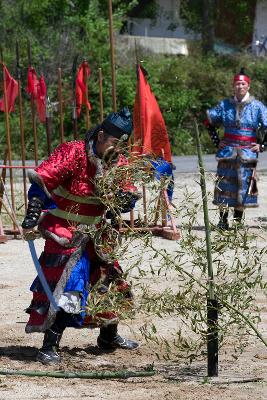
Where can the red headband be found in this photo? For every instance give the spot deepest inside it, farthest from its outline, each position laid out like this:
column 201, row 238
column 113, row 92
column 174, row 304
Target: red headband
column 240, row 77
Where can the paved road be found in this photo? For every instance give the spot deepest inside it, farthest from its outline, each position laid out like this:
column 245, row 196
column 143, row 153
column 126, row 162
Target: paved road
column 184, row 164
column 190, row 163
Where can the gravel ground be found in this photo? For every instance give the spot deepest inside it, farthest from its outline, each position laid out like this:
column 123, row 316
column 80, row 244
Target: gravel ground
column 173, row 379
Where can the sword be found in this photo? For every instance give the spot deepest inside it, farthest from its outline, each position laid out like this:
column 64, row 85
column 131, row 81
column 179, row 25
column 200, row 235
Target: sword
column 41, row 276
column 253, row 190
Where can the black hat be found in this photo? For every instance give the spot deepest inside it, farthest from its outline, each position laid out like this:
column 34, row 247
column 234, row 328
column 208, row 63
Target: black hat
column 119, row 125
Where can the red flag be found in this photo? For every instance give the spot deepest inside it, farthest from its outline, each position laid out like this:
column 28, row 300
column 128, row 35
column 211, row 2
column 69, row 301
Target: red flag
column 32, row 82
column 150, row 133
column 11, row 91
column 82, row 76
column 41, row 99
column 37, row 89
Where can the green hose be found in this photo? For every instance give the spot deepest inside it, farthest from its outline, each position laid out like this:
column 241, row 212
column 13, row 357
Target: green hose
column 124, row 374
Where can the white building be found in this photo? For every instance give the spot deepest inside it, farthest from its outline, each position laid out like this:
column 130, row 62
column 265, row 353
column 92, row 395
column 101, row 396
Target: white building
column 168, row 35
column 260, row 22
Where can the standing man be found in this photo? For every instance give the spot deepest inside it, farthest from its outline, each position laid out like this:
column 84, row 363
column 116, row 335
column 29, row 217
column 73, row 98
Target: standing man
column 65, row 186
column 241, row 116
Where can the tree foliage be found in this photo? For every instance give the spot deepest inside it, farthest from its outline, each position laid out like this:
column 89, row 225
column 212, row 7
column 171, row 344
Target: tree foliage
column 233, row 20
column 58, row 30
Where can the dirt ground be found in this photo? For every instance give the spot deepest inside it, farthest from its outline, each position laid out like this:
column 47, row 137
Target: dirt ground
column 242, row 379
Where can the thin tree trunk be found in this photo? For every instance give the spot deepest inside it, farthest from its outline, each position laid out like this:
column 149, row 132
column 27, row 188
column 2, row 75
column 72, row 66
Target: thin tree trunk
column 208, row 21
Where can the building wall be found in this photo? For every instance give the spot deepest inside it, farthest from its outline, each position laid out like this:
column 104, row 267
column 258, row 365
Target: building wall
column 260, row 22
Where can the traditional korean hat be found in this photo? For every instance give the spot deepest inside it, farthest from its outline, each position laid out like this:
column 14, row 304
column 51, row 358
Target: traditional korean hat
column 242, row 76
column 119, row 125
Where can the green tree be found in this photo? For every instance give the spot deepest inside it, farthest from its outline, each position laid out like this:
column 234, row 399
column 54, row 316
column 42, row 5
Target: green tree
column 229, row 20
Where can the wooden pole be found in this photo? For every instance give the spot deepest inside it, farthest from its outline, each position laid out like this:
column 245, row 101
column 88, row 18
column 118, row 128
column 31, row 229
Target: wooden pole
column 8, row 138
column 21, row 126
column 112, row 55
column 48, row 124
column 142, row 137
column 87, row 114
column 60, row 105
column 33, row 113
column 3, row 177
column 212, row 303
column 100, row 79
column 74, row 109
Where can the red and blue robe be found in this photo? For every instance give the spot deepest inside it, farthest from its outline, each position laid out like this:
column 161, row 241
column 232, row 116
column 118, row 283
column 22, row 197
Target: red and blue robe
column 70, row 264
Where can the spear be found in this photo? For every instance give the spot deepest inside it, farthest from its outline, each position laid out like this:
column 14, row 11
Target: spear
column 33, row 110
column 21, row 124
column 74, row 108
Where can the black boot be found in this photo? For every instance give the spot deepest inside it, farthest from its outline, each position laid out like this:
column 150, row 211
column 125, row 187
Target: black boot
column 48, row 354
column 238, row 219
column 110, row 339
column 238, row 216
column 223, row 221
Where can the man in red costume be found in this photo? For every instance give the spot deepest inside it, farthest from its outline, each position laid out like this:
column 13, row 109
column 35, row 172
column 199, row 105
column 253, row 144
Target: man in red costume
column 65, row 186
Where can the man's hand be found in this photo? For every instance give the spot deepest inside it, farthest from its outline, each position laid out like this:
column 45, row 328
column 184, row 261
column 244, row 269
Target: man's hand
column 255, row 147
column 30, row 234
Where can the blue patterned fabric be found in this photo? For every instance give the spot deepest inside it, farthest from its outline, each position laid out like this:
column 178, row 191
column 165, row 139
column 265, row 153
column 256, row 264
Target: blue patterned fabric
column 36, row 191
column 79, row 281
column 164, row 169
column 252, row 114
column 236, row 162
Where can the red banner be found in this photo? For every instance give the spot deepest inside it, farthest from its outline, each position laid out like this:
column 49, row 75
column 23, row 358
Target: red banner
column 41, row 99
column 37, row 89
column 150, row 133
column 81, row 87
column 11, row 91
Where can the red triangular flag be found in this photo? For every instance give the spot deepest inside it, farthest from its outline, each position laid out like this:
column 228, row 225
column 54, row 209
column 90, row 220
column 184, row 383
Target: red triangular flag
column 32, row 82
column 41, row 99
column 37, row 89
column 82, row 76
column 150, row 133
column 11, row 91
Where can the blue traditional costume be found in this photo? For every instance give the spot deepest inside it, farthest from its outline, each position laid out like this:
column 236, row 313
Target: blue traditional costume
column 236, row 180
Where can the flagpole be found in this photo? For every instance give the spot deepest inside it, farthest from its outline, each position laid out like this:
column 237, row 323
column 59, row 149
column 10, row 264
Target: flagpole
column 74, row 109
column 100, row 79
column 60, row 103
column 48, row 124
column 112, row 55
column 87, row 115
column 48, row 107
column 21, row 125
column 142, row 138
column 33, row 112
column 8, row 137
column 3, row 177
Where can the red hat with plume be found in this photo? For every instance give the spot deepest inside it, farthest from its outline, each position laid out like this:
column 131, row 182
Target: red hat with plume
column 242, row 76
